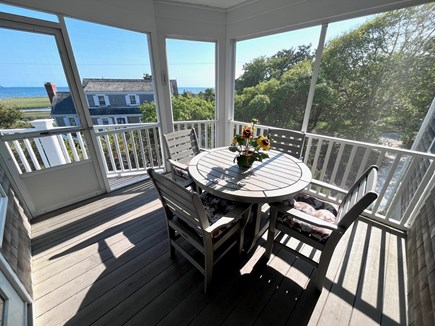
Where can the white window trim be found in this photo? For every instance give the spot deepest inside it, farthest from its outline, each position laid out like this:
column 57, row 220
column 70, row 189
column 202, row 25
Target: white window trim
column 3, row 210
column 127, row 99
column 66, row 119
column 115, row 120
column 97, row 102
column 100, row 120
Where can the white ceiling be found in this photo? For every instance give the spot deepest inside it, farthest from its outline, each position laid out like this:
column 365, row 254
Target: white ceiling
column 223, row 4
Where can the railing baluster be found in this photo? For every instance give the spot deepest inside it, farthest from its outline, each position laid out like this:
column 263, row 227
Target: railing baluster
column 82, row 145
column 157, row 146
column 381, row 157
column 364, row 161
column 326, row 160
column 308, row 150
column 22, row 156
column 100, row 147
column 418, row 193
column 387, row 180
column 110, row 150
column 200, row 137
column 348, row 166
column 206, row 138
column 126, row 150
column 142, row 150
column 73, row 148
column 133, row 149
column 149, row 147
column 32, row 154
column 41, row 152
column 316, row 156
column 11, row 154
column 63, row 148
column 401, row 188
column 336, row 166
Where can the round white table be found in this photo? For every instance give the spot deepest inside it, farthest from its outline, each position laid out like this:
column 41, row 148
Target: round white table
column 275, row 179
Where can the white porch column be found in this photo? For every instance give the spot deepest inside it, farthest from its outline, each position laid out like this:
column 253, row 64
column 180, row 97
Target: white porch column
column 225, row 91
column 161, row 81
column 50, row 144
column 314, row 77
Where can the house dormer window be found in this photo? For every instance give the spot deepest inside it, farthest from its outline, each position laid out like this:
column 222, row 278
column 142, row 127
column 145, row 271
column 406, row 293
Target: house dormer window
column 132, row 99
column 101, row 100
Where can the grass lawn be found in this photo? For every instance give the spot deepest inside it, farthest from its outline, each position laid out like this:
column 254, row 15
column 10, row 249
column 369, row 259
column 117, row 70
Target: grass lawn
column 27, row 102
column 33, row 115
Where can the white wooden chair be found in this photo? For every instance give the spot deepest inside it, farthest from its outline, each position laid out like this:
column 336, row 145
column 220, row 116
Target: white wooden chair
column 319, row 224
column 288, row 141
column 181, row 146
column 211, row 225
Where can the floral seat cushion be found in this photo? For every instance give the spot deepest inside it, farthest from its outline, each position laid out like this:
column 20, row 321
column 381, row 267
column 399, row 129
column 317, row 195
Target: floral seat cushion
column 314, row 207
column 181, row 173
column 215, row 208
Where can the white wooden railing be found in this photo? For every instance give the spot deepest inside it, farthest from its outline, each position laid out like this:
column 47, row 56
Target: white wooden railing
column 403, row 174
column 130, row 148
column 37, row 150
column 205, row 131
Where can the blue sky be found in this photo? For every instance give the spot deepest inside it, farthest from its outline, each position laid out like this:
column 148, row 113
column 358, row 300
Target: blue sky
column 28, row 59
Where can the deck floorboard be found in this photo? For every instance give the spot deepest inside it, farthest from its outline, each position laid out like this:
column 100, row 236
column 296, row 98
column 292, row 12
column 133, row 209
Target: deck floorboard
column 105, row 261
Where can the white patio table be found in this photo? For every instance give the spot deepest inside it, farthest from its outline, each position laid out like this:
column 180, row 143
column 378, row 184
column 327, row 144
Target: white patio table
column 275, row 179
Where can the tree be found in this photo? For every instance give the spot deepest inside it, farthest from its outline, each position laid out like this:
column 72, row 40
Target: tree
column 377, row 76
column 380, row 73
column 264, row 69
column 186, row 107
column 9, row 116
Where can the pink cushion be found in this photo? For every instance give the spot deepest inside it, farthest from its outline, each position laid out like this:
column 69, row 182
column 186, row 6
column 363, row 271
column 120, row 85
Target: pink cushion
column 315, row 208
column 181, row 173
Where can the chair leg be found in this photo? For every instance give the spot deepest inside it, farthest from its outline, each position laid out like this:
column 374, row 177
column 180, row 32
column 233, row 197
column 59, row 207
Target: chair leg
column 208, row 270
column 324, row 261
column 171, row 238
column 271, row 232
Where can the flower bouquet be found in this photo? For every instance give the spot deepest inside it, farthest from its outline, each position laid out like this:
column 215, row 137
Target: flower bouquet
column 249, row 147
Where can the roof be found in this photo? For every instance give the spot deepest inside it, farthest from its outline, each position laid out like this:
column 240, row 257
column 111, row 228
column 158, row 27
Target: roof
column 117, row 85
column 63, row 104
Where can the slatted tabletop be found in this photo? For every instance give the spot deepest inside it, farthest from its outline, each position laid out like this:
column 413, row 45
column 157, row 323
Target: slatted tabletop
column 274, row 179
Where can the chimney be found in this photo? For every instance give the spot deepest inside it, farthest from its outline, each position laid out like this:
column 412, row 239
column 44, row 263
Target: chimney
column 51, row 90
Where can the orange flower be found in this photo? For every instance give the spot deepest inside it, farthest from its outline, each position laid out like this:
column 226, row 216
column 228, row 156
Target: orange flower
column 247, row 132
column 263, row 142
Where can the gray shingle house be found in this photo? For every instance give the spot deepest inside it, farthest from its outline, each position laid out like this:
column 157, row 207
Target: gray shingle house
column 110, row 101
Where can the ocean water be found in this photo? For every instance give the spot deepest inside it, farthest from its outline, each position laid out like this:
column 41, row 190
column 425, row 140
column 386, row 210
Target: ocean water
column 8, row 92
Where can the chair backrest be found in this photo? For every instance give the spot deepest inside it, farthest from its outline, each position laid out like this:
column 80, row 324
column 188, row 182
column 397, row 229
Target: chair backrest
column 181, row 145
column 180, row 202
column 358, row 198
column 288, row 141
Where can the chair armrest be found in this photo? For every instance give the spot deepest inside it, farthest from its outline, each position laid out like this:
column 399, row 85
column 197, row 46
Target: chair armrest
column 178, row 165
column 235, row 214
column 307, row 218
column 220, row 223
column 328, row 186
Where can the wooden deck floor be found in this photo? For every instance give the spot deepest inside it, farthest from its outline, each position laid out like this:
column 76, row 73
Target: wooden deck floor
column 106, row 262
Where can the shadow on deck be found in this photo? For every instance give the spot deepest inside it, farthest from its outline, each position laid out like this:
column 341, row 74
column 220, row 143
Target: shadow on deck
column 106, row 262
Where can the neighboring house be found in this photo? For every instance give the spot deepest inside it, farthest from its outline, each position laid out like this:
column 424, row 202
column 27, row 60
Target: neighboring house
column 110, row 101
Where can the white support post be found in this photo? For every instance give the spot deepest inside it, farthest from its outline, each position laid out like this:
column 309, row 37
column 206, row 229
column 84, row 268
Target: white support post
column 316, row 69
